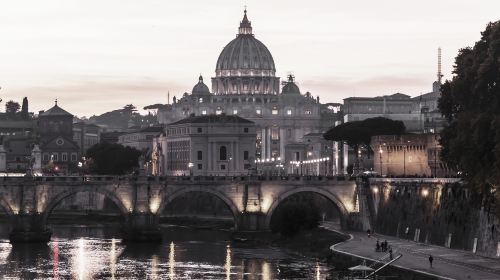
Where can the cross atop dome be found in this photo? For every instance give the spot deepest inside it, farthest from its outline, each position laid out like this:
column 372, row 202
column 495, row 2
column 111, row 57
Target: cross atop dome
column 245, row 25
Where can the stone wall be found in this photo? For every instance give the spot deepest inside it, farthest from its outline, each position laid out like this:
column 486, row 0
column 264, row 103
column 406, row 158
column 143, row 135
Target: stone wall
column 441, row 214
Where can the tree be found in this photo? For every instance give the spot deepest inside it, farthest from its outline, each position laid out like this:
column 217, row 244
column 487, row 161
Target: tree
column 11, row 107
column 24, row 108
column 470, row 102
column 106, row 158
column 156, row 106
column 359, row 133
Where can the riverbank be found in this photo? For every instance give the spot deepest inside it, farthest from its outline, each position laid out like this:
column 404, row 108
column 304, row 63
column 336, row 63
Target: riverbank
column 448, row 263
column 313, row 243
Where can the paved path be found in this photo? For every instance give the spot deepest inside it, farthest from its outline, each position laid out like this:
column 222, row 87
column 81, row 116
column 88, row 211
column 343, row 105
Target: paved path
column 448, row 263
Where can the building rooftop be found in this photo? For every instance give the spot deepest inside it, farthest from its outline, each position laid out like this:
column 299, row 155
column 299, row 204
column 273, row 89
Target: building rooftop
column 55, row 111
column 396, row 96
column 222, row 118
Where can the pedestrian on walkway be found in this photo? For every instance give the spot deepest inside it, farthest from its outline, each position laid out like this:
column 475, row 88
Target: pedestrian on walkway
column 377, row 247
column 368, row 231
column 430, row 260
column 390, row 253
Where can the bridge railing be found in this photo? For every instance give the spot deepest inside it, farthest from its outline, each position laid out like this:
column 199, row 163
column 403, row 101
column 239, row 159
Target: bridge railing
column 116, row 178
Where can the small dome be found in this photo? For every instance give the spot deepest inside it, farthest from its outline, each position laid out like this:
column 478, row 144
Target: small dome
column 290, row 87
column 200, row 88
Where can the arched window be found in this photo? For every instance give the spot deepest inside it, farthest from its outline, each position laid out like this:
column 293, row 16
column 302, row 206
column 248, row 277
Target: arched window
column 223, row 153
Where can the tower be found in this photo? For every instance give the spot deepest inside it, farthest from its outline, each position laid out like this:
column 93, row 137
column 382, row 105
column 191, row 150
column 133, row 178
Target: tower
column 436, row 86
column 439, row 73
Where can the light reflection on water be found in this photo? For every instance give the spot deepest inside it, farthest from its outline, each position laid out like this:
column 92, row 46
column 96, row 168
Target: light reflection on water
column 91, row 253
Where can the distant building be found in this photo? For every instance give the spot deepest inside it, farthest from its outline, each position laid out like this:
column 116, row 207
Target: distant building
column 409, row 155
column 110, row 137
column 245, row 85
column 141, row 139
column 427, row 105
column 313, row 156
column 59, row 152
column 216, row 145
column 397, row 107
column 18, row 149
column 86, row 135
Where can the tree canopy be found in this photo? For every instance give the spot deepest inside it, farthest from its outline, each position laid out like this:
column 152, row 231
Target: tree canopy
column 360, row 132
column 106, row 158
column 122, row 118
column 11, row 107
column 471, row 104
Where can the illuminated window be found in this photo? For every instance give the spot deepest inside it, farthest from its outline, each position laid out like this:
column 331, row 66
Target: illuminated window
column 275, row 133
column 258, row 112
column 200, row 100
column 289, row 112
column 218, row 111
column 203, row 112
column 308, row 112
column 235, row 112
column 274, row 111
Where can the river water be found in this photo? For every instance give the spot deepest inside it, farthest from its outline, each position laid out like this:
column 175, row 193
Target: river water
column 82, row 252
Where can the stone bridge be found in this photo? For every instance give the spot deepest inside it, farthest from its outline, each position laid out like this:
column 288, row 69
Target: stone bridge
column 28, row 201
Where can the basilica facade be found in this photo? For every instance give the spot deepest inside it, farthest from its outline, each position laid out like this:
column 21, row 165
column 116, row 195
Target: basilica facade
column 246, row 85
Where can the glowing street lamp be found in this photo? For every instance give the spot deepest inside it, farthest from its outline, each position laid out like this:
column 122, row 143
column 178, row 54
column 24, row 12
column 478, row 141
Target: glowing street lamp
column 380, row 153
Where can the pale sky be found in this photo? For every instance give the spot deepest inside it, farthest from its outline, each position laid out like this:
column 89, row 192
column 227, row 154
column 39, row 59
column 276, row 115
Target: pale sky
column 98, row 55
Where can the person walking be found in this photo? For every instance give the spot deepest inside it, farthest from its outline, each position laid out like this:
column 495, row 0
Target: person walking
column 430, row 260
column 390, row 253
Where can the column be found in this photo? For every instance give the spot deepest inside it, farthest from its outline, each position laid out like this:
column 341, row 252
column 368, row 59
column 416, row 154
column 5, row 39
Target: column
column 231, row 158
column 282, row 143
column 214, row 157
column 209, row 157
column 3, row 159
column 237, row 156
column 263, row 143
column 268, row 148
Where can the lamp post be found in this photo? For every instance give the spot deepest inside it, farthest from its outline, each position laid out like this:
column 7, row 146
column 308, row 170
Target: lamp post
column 404, row 160
column 380, row 154
column 190, row 166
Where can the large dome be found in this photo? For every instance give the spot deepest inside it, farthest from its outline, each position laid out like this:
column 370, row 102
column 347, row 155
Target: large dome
column 245, row 55
column 245, row 66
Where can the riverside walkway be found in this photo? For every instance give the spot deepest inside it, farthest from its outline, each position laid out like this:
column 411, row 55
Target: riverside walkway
column 448, row 263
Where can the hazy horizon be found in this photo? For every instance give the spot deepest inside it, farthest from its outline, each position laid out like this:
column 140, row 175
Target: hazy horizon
column 96, row 56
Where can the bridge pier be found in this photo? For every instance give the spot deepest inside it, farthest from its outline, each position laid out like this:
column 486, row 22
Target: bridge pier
column 251, row 221
column 28, row 228
column 142, row 227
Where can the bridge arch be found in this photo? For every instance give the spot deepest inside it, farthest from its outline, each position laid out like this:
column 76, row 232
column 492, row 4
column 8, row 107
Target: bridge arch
column 330, row 196
column 55, row 200
column 168, row 198
column 7, row 209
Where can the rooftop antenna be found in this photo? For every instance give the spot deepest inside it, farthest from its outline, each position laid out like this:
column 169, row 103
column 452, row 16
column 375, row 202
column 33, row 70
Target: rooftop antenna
column 439, row 73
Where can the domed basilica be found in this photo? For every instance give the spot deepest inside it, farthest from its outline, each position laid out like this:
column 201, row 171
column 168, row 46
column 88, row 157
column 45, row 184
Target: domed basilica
column 245, row 84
